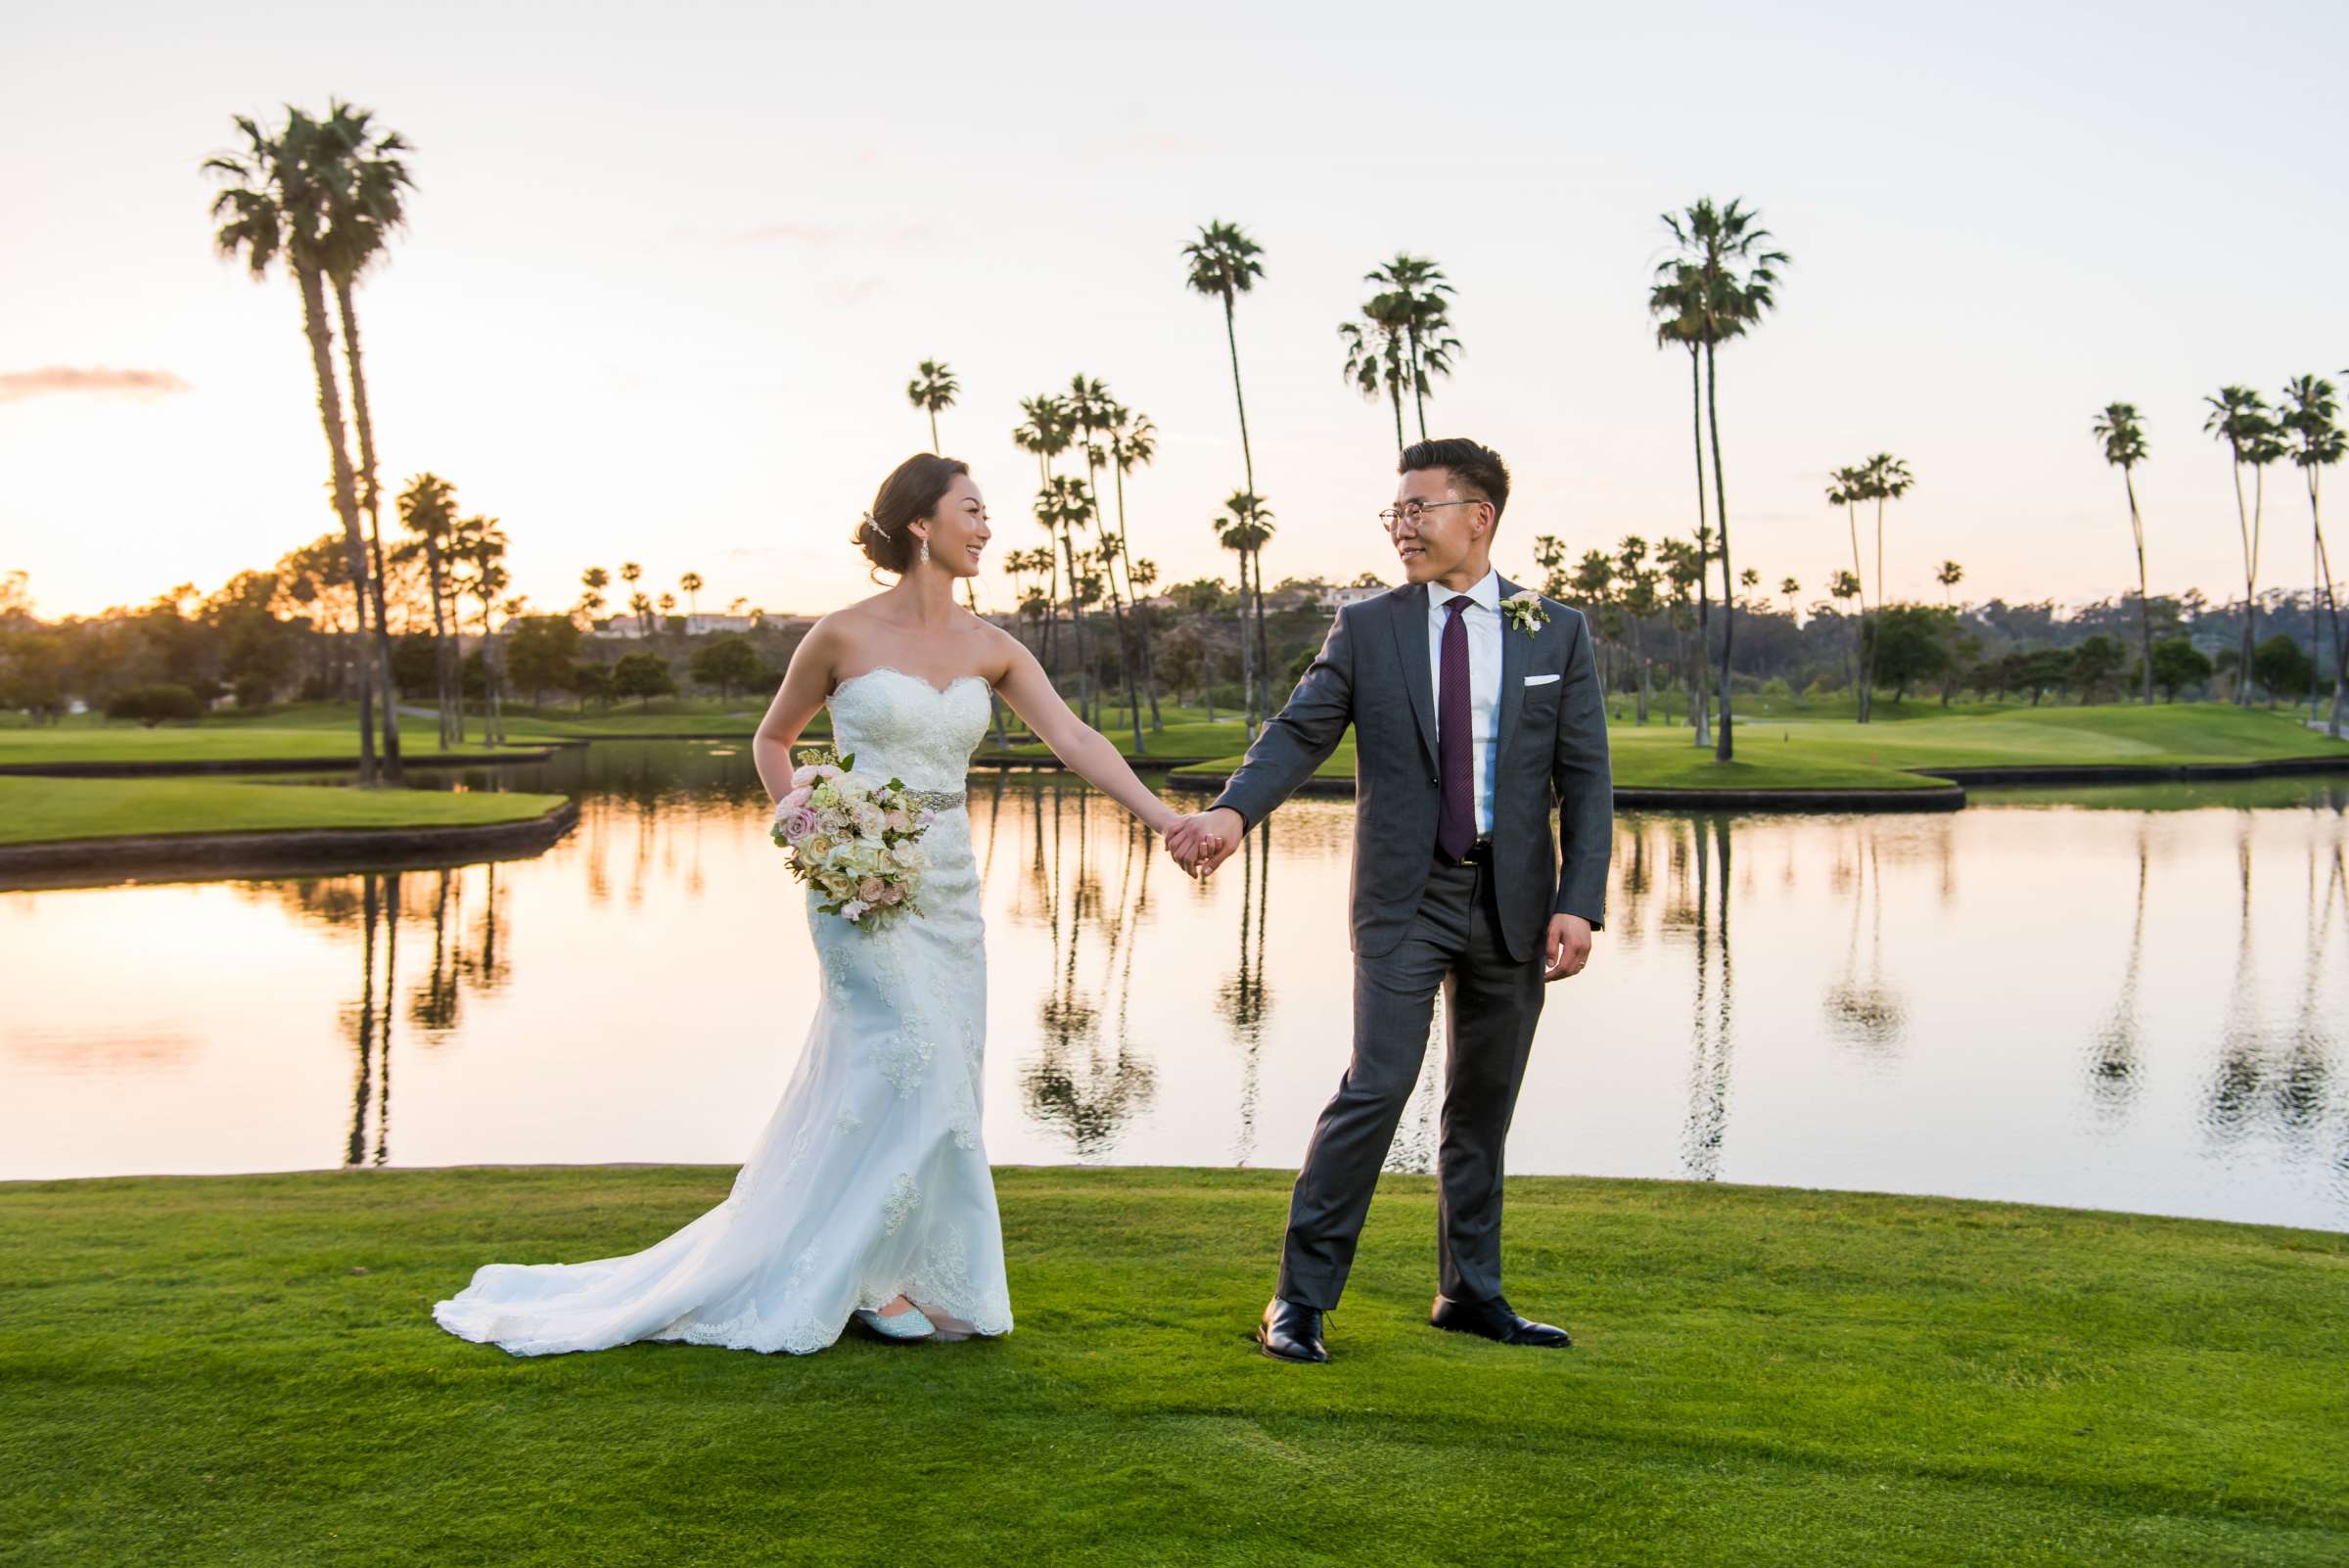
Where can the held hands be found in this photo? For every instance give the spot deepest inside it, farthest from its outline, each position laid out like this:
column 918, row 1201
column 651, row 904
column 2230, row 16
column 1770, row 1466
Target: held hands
column 1203, row 841
column 1566, row 947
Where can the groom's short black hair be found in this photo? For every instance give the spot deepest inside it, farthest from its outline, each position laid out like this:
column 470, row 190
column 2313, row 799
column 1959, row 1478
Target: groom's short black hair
column 1476, row 468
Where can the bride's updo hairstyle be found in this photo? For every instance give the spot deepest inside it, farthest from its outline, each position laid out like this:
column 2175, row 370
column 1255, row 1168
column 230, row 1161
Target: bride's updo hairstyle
column 910, row 494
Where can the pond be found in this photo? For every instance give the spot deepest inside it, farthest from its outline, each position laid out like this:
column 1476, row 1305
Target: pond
column 2130, row 1000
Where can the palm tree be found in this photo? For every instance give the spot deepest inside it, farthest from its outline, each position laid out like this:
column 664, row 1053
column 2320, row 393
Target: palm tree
column 1735, row 282
column 1789, row 587
column 1414, row 297
column 1132, row 444
column 1677, row 303
column 931, row 389
column 1887, row 478
column 1749, row 580
column 2238, row 419
column 1063, row 506
column 2124, row 438
column 479, row 544
column 1224, row 266
column 1949, row 574
column 1684, row 565
column 594, row 581
column 669, row 606
column 1638, row 601
column 691, row 582
column 1375, row 357
column 1849, row 488
column 630, row 573
column 275, row 206
column 1092, row 413
column 362, row 176
column 2312, row 417
column 1593, row 585
column 1045, row 432
column 1243, row 527
column 1846, row 586
column 428, row 509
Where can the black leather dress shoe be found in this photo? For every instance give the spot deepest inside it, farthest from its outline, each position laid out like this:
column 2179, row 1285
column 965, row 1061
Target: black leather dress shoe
column 1291, row 1334
column 1495, row 1320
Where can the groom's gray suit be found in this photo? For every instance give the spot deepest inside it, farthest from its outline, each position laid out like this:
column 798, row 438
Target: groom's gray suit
column 1421, row 920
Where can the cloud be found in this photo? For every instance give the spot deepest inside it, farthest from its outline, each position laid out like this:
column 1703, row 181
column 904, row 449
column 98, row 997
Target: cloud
column 19, row 384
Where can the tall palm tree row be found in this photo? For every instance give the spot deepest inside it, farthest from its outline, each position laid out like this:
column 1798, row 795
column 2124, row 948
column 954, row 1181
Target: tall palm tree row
column 2238, row 421
column 1733, row 277
column 2312, row 414
column 278, row 195
column 691, row 583
column 2122, row 432
column 932, row 387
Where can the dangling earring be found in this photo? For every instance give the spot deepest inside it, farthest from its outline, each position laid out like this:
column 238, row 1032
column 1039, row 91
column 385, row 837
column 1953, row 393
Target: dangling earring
column 925, row 557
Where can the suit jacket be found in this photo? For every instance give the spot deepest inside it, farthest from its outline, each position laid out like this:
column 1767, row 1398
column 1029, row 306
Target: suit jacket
column 1372, row 673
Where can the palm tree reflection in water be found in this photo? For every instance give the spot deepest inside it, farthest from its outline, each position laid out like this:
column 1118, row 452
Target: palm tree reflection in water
column 1868, row 1012
column 1075, row 1084
column 1244, row 999
column 2275, row 1077
column 2115, row 1054
column 1706, row 1126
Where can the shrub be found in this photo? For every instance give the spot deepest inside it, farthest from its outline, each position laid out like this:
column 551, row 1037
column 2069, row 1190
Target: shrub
column 152, row 704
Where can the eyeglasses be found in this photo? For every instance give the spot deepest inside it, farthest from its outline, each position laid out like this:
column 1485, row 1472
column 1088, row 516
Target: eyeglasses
column 1411, row 511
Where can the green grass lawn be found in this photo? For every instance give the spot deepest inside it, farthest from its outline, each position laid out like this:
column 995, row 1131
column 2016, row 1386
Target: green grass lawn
column 243, row 1369
column 36, row 811
column 1818, row 752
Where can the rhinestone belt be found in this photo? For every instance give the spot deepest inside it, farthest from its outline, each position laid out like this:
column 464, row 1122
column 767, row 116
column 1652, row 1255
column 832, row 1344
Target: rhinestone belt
column 935, row 800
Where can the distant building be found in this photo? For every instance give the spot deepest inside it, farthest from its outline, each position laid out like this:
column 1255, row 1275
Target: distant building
column 619, row 628
column 1336, row 599
column 709, row 626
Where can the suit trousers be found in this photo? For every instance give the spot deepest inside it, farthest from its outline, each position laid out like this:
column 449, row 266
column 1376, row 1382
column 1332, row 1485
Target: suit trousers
column 1492, row 1004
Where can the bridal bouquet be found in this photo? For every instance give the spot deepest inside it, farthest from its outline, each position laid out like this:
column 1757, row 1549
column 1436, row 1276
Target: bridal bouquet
column 857, row 838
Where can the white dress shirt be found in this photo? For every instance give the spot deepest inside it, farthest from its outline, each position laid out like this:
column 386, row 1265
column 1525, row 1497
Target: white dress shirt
column 1481, row 618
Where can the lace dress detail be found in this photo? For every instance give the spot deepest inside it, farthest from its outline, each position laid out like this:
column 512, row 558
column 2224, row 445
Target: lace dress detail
column 870, row 1180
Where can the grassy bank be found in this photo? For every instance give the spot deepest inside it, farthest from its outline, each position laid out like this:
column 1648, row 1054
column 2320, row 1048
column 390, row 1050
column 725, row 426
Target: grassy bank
column 35, row 810
column 1799, row 753
column 244, row 1370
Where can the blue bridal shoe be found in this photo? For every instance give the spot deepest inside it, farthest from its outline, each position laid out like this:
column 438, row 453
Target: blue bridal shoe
column 906, row 1325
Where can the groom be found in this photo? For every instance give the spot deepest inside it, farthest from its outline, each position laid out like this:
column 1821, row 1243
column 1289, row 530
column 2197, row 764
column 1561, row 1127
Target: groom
column 1476, row 712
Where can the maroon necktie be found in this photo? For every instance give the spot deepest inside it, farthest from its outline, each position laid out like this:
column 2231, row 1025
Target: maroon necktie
column 1456, row 819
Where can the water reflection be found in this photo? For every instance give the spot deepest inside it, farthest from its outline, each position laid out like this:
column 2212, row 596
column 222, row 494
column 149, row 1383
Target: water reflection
column 2130, row 1008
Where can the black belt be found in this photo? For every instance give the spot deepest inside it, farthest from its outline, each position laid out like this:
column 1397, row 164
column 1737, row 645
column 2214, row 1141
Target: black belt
column 1479, row 853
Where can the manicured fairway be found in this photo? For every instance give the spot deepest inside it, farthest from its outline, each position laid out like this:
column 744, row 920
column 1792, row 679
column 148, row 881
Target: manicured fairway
column 242, row 1371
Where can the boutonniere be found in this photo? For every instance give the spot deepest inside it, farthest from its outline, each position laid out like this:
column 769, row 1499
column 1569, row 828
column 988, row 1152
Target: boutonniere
column 1523, row 611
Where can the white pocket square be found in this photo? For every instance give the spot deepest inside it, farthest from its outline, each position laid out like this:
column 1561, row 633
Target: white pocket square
column 1540, row 680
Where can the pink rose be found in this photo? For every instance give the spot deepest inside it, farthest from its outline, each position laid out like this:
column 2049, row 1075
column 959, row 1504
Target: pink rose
column 870, row 890
column 892, row 894
column 853, row 910
column 797, row 823
column 796, row 798
column 899, row 821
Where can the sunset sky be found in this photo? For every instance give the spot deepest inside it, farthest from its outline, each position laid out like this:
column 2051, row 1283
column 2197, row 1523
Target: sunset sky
column 670, row 267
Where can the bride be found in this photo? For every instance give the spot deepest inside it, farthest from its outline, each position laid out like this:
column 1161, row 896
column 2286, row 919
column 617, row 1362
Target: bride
column 868, row 1194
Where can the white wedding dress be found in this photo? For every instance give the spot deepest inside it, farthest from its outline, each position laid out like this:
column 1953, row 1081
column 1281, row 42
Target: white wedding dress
column 870, row 1180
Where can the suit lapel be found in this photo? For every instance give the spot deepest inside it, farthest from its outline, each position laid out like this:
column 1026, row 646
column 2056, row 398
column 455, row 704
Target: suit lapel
column 1409, row 621
column 1516, row 649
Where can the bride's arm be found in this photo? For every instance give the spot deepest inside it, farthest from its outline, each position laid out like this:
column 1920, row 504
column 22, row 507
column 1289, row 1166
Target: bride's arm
column 807, row 682
column 1084, row 748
